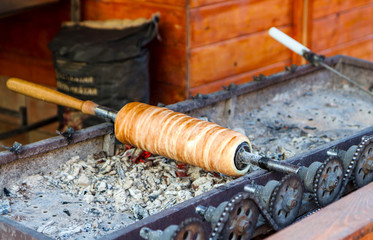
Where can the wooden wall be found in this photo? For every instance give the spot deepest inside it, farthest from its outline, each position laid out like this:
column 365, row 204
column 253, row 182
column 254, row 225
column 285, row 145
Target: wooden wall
column 24, row 39
column 229, row 41
column 204, row 44
column 343, row 27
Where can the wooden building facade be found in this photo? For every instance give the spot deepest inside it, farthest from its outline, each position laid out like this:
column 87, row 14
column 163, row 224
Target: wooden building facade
column 203, row 44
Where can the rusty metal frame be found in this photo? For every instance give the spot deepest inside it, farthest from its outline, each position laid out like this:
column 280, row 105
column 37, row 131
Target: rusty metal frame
column 56, row 143
column 282, row 77
column 10, row 229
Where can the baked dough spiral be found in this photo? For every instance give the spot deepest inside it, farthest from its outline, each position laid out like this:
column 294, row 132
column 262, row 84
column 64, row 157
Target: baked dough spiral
column 180, row 137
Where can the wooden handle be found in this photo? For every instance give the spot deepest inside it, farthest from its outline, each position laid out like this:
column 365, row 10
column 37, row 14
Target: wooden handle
column 50, row 95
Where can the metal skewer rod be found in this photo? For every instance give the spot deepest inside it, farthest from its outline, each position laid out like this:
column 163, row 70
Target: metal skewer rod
column 243, row 156
column 346, row 78
column 310, row 56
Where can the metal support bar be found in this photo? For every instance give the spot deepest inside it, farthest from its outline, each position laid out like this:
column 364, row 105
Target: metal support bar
column 346, row 78
column 105, row 113
column 9, row 112
column 23, row 116
column 278, row 166
column 245, row 157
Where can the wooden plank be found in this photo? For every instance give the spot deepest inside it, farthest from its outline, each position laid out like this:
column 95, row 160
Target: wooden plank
column 323, row 8
column 24, row 43
column 369, row 236
column 341, row 28
column 165, row 3
column 172, row 23
column 198, row 3
column 30, row 68
column 302, row 26
column 180, row 3
column 235, row 56
column 167, row 65
column 166, row 93
column 349, row 218
column 209, row 24
column 239, row 79
column 28, row 33
column 11, row 6
column 359, row 48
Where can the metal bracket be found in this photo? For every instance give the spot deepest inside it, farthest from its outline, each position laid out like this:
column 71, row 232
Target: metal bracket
column 292, row 68
column 260, row 77
column 199, row 96
column 68, row 134
column 231, row 87
column 16, row 148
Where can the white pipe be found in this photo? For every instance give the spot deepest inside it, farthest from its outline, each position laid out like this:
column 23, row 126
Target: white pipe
column 288, row 41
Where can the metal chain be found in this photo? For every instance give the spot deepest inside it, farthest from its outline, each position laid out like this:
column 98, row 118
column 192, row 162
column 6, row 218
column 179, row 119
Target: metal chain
column 346, row 177
column 317, row 180
column 219, row 226
column 262, row 209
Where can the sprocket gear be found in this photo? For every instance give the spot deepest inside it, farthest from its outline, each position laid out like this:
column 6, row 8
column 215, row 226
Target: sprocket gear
column 190, row 229
column 327, row 183
column 286, row 200
column 363, row 171
column 238, row 219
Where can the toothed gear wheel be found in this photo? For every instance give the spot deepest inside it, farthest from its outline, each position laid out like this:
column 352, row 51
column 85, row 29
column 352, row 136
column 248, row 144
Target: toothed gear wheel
column 190, row 229
column 238, row 220
column 285, row 200
column 327, row 183
column 363, row 172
